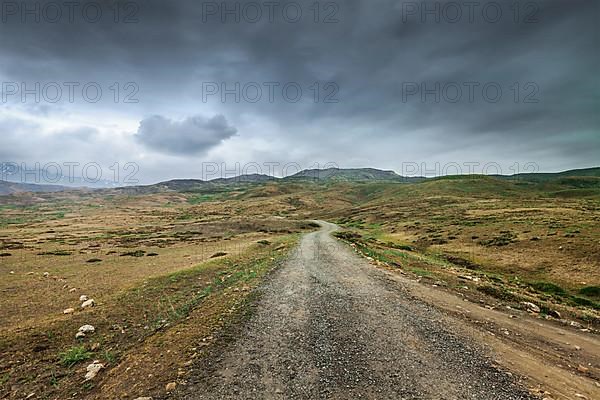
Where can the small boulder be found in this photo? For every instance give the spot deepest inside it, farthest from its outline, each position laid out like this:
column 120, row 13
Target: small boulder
column 576, row 324
column 69, row 311
column 531, row 307
column 582, row 369
column 554, row 314
column 87, row 329
column 79, row 335
column 83, row 298
column 171, row 386
column 46, row 274
column 88, row 303
column 93, row 369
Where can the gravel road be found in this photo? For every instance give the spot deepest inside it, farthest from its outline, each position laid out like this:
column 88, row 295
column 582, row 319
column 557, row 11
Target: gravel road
column 331, row 326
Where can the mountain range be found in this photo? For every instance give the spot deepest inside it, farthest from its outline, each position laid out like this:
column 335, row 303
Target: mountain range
column 578, row 178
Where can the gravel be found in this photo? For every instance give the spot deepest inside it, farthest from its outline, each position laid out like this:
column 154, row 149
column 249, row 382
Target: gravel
column 331, row 326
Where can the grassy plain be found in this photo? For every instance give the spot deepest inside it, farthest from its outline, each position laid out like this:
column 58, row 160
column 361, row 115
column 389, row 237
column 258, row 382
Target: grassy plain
column 166, row 268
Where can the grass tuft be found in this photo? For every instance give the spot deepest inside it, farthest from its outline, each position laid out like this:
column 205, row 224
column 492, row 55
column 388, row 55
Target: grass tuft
column 75, row 355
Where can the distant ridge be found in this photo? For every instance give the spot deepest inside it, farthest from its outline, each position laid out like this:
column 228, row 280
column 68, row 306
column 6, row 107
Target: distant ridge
column 7, row 188
column 585, row 177
column 545, row 176
column 348, row 174
column 342, row 175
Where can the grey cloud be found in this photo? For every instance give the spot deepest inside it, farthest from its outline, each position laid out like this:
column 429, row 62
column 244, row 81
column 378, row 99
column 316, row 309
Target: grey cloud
column 27, row 141
column 191, row 136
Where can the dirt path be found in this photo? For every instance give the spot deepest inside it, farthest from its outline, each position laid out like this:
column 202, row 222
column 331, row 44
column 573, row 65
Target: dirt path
column 329, row 325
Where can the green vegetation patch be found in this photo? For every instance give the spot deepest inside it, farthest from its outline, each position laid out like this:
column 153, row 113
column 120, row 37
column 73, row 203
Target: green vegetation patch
column 547, row 287
column 590, row 291
column 202, row 198
column 74, row 356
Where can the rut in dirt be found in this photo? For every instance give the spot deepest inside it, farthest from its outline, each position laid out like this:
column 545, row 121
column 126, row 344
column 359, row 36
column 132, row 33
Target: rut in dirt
column 331, row 326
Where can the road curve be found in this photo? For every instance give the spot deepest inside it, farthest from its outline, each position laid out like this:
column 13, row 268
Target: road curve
column 331, row 326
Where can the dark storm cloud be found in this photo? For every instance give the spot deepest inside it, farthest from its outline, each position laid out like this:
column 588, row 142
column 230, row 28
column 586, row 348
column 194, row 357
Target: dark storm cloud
column 372, row 52
column 194, row 135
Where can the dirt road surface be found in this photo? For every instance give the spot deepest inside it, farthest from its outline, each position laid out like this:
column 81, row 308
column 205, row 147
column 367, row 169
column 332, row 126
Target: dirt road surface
column 329, row 325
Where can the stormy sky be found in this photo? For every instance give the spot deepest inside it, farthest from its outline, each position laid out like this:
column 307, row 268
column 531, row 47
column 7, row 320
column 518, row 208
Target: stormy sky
column 181, row 88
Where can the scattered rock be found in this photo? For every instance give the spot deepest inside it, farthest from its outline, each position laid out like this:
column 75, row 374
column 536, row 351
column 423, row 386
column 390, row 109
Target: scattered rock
column 531, row 307
column 87, row 329
column 69, row 311
column 72, row 290
column 46, row 274
column 95, row 347
column 83, row 298
column 88, row 303
column 12, row 272
column 171, row 386
column 582, row 369
column 93, row 369
column 143, row 398
column 576, row 324
column 79, row 335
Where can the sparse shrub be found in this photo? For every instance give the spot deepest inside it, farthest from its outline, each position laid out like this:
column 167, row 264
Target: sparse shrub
column 399, row 246
column 582, row 301
column 347, row 235
column 499, row 293
column 94, row 260
column 74, row 355
column 590, row 291
column 505, row 238
column 547, row 287
column 110, row 357
column 264, row 242
column 218, row 254
column 55, row 253
column 151, row 254
column 137, row 253
column 462, row 262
